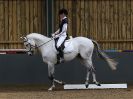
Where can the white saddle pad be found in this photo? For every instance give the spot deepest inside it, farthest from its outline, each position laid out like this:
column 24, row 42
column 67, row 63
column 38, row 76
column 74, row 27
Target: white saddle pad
column 68, row 46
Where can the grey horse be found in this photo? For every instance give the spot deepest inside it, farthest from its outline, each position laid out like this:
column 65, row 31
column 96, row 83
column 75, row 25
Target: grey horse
column 83, row 50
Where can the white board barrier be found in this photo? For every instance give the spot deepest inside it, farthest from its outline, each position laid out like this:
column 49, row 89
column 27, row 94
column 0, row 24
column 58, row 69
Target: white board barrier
column 93, row 86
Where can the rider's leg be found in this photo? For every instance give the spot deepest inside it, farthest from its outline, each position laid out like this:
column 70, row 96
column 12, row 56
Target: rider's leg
column 60, row 41
column 61, row 52
column 59, row 47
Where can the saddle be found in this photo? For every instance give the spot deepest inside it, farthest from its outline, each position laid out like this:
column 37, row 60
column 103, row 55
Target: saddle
column 66, row 46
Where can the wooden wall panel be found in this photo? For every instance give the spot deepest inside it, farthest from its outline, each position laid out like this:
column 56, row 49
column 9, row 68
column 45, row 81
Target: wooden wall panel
column 6, row 23
column 2, row 21
column 110, row 22
column 131, row 21
column 18, row 18
column 10, row 22
column 19, row 26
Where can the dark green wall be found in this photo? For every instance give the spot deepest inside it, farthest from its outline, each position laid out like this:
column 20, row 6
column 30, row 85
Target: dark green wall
column 23, row 69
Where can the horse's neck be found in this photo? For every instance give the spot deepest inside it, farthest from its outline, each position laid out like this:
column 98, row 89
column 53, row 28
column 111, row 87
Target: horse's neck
column 39, row 41
column 38, row 38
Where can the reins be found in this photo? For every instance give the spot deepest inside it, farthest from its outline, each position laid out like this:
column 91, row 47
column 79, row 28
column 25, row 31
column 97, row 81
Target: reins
column 44, row 43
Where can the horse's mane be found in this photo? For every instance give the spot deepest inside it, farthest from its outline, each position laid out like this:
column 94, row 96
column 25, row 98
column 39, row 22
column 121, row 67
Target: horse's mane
column 37, row 36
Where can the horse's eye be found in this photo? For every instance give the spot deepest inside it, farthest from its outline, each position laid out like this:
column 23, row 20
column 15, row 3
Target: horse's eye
column 26, row 45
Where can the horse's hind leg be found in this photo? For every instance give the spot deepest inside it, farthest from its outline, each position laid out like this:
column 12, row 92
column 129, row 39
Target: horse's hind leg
column 90, row 69
column 87, row 78
column 93, row 71
column 94, row 77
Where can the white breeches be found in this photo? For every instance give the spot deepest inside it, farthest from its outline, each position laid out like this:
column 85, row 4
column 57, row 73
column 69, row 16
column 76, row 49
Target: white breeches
column 61, row 40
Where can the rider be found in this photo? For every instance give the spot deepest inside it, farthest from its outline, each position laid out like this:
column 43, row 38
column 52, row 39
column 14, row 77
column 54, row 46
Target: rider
column 61, row 34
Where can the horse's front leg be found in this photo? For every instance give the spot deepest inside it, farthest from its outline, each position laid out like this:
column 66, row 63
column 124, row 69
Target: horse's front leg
column 59, row 82
column 51, row 75
column 51, row 71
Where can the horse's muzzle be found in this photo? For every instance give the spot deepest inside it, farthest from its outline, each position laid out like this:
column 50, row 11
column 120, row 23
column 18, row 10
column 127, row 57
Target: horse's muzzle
column 30, row 53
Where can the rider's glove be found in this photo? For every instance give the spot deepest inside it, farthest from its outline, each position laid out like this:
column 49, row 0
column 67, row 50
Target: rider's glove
column 53, row 35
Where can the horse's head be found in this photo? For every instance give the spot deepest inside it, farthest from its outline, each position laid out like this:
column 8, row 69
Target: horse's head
column 29, row 45
column 34, row 40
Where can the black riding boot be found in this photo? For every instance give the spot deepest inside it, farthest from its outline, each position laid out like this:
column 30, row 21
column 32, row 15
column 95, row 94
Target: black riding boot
column 61, row 54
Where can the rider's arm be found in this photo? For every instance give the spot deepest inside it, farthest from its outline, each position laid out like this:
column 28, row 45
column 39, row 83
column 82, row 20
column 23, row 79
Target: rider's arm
column 64, row 29
column 57, row 32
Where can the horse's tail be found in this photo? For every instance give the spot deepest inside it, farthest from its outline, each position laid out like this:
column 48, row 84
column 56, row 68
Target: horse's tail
column 112, row 63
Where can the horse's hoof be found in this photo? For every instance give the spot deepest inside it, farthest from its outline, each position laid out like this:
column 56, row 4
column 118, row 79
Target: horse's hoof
column 50, row 89
column 86, row 85
column 98, row 84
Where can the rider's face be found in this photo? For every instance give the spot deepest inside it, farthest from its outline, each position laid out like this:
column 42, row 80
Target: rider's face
column 61, row 16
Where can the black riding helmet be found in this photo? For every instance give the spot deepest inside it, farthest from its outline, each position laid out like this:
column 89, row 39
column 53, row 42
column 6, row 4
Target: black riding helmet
column 63, row 11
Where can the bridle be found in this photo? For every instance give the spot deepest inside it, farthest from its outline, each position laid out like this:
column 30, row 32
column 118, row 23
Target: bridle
column 32, row 46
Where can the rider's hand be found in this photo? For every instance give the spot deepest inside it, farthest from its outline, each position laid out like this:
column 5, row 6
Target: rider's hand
column 53, row 35
column 56, row 36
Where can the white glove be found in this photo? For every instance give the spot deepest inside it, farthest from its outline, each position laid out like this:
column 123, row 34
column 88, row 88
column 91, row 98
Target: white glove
column 53, row 35
column 56, row 36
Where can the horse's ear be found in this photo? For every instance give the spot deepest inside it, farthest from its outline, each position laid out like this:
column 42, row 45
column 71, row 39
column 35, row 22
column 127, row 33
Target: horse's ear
column 22, row 37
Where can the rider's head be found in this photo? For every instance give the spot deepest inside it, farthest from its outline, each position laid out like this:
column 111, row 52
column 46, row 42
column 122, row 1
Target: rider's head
column 62, row 13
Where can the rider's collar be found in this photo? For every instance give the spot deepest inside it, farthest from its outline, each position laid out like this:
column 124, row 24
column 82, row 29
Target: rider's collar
column 63, row 18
